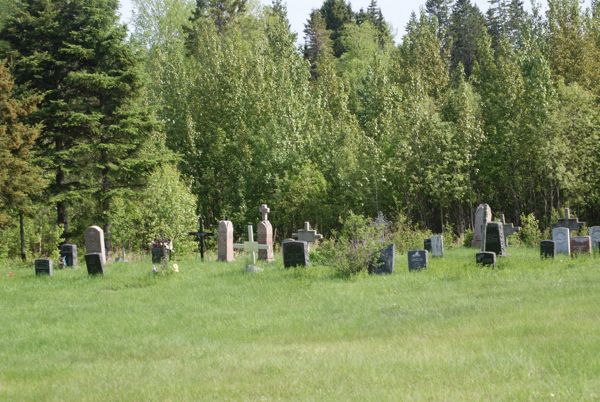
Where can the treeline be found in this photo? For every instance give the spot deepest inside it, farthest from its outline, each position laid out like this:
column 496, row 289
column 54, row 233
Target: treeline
column 217, row 103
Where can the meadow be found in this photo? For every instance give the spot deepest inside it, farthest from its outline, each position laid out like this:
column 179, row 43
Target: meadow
column 528, row 330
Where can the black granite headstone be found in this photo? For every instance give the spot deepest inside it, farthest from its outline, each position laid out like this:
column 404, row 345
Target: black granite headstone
column 486, row 258
column 427, row 244
column 68, row 252
column 384, row 261
column 159, row 253
column 295, row 253
column 494, row 239
column 93, row 262
column 418, row 260
column 43, row 266
column 547, row 249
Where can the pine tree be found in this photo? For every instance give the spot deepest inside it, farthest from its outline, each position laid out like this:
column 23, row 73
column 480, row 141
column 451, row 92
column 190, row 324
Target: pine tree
column 94, row 129
column 317, row 41
column 440, row 9
column 20, row 178
column 467, row 27
column 336, row 14
column 220, row 11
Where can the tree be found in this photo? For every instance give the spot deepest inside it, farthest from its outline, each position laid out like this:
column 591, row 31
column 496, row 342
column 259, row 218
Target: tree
column 337, row 13
column 317, row 40
column 20, row 178
column 440, row 9
column 467, row 26
column 95, row 132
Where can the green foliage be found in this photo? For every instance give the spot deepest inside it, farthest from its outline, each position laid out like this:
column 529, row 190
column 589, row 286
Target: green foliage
column 530, row 232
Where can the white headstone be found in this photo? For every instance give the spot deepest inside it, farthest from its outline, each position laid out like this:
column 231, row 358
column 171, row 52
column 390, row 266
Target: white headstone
column 225, row 241
column 562, row 240
column 595, row 235
column 437, row 246
column 483, row 216
column 94, row 242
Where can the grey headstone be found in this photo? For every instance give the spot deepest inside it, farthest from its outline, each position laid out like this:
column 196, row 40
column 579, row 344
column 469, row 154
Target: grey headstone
column 568, row 222
column 43, row 266
column 295, row 253
column 69, row 254
column 160, row 253
column 225, row 242
column 264, row 232
column 581, row 245
column 494, row 239
column 427, row 244
column 94, row 264
column 547, row 249
column 384, row 261
column 509, row 230
column 595, row 235
column 307, row 234
column 562, row 240
column 418, row 260
column 486, row 258
column 483, row 216
column 437, row 246
column 94, row 242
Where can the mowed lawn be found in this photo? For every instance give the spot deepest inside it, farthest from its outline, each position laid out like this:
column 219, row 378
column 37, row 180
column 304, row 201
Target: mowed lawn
column 529, row 330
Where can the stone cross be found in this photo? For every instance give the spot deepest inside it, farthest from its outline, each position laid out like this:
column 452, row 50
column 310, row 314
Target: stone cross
column 568, row 222
column 251, row 248
column 264, row 232
column 201, row 235
column 307, row 234
column 509, row 229
column 264, row 212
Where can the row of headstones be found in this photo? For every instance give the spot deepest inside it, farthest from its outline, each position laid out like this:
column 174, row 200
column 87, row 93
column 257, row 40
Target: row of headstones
column 95, row 258
column 563, row 243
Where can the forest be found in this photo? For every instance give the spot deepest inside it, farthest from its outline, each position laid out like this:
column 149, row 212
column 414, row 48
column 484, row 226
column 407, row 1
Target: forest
column 210, row 108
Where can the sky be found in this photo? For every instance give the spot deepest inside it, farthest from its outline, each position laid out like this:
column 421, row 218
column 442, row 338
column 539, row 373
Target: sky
column 396, row 12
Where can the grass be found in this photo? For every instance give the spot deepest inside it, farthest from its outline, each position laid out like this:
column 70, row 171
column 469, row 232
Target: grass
column 529, row 330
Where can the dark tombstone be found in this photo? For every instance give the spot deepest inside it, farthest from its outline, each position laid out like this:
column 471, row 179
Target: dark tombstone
column 43, row 266
column 295, row 253
column 581, row 245
column 200, row 236
column 494, row 239
column 548, row 249
column 383, row 262
column 68, row 253
column 427, row 244
column 486, row 258
column 160, row 253
column 572, row 224
column 418, row 260
column 94, row 264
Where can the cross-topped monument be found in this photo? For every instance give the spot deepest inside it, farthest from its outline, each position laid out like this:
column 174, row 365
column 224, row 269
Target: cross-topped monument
column 251, row 248
column 264, row 233
column 307, row 234
column 264, row 212
column 201, row 235
column 568, row 222
column 509, row 229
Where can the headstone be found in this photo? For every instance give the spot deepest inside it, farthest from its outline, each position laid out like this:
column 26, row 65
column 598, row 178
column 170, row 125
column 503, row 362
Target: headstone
column 225, row 242
column 509, row 229
column 201, row 236
column 307, row 234
column 160, row 252
column 494, row 239
column 562, row 240
column 595, row 235
column 43, row 266
column 486, row 258
column 437, row 246
column 427, row 244
column 94, row 264
column 265, row 235
column 547, row 249
column 418, row 260
column 94, row 242
column 483, row 216
column 68, row 252
column 384, row 261
column 568, row 222
column 295, row 253
column 251, row 248
column 581, row 245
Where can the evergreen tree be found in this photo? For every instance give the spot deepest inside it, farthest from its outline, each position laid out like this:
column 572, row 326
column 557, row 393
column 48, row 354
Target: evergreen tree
column 440, row 9
column 220, row 11
column 467, row 26
column 317, row 40
column 337, row 13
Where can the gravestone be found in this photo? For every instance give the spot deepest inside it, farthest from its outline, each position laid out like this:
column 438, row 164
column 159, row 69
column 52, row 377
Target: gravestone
column 547, row 249
column 384, row 261
column 486, row 258
column 295, row 253
column 201, row 236
column 437, row 246
column 572, row 224
column 562, row 240
column 251, row 248
column 94, row 264
column 94, row 242
column 265, row 235
column 418, row 260
column 225, row 242
column 160, row 252
column 307, row 234
column 581, row 245
column 494, row 239
column 595, row 235
column 483, row 216
column 68, row 253
column 509, row 229
column 43, row 266
column 427, row 244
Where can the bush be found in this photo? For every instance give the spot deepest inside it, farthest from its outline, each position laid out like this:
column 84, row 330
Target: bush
column 407, row 236
column 530, row 233
column 468, row 237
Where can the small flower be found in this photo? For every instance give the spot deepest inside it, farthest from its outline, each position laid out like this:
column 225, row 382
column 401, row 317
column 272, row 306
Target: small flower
column 155, row 270
column 175, row 268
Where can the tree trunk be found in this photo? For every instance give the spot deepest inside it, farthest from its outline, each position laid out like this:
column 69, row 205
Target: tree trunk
column 22, row 235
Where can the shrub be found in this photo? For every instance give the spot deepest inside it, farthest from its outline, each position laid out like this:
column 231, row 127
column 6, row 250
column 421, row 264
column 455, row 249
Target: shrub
column 468, row 237
column 530, row 232
column 407, row 236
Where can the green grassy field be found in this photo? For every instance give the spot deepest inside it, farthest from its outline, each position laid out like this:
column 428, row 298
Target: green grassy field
column 529, row 330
